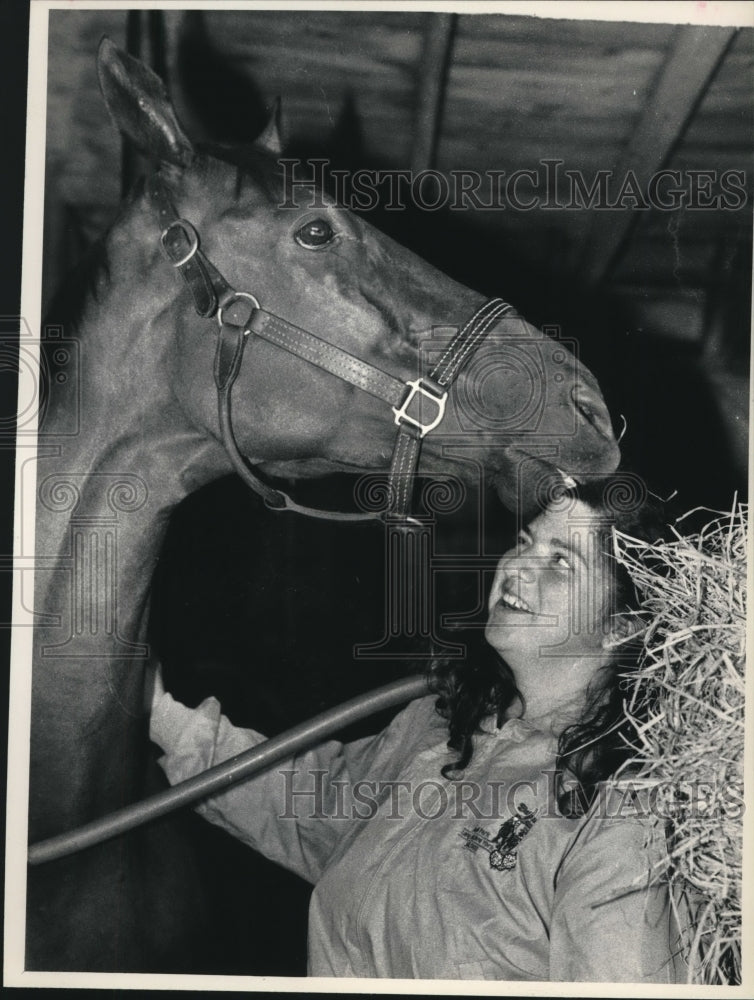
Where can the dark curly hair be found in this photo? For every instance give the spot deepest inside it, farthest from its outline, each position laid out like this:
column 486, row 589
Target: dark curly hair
column 483, row 685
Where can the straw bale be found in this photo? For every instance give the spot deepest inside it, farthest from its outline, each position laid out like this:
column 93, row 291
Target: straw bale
column 686, row 704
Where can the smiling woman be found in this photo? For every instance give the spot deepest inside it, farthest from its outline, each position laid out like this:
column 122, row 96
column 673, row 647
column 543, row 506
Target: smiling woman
column 547, row 609
column 560, row 614
column 498, row 860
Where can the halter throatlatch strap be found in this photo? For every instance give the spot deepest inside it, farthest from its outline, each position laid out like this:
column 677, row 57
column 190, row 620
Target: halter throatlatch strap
column 228, row 357
column 234, row 331
column 240, row 315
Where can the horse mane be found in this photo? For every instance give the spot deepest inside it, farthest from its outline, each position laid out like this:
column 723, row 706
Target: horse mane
column 90, row 276
column 88, row 279
column 83, row 281
column 250, row 159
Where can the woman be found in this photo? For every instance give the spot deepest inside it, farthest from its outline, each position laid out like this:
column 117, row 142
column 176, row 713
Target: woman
column 468, row 840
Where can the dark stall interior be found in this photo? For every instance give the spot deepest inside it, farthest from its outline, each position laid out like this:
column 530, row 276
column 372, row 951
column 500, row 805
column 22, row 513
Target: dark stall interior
column 266, row 610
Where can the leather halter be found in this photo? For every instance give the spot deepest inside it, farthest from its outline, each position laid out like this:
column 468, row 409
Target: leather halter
column 239, row 314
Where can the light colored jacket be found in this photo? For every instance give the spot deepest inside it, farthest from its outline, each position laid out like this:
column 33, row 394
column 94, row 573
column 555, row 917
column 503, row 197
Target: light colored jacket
column 417, row 876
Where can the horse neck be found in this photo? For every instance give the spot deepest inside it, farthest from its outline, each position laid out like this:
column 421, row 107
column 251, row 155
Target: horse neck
column 106, row 493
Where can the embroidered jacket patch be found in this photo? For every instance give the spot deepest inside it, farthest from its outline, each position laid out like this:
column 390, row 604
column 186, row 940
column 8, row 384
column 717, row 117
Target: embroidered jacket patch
column 503, row 847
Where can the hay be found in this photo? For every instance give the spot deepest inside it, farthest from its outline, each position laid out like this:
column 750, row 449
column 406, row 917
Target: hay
column 686, row 704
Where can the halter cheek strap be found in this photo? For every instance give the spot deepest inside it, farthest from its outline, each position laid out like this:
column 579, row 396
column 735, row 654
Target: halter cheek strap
column 240, row 315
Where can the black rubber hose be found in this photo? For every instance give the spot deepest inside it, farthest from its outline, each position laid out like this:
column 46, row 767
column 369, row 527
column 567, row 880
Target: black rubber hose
column 229, row 772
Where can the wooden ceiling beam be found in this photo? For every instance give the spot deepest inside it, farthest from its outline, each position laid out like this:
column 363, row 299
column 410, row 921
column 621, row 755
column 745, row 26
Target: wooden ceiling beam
column 438, row 40
column 693, row 58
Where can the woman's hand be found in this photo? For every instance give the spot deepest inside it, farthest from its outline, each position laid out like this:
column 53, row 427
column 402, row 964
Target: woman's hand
column 154, row 688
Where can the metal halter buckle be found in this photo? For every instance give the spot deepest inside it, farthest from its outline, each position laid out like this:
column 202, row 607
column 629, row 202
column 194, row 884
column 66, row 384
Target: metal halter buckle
column 237, row 295
column 190, row 233
column 421, row 385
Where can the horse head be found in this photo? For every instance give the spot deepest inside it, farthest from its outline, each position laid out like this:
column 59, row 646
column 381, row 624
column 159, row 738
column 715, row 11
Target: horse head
column 522, row 405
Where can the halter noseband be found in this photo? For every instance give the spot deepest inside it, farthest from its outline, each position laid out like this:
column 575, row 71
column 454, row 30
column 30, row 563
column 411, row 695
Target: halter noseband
column 239, row 314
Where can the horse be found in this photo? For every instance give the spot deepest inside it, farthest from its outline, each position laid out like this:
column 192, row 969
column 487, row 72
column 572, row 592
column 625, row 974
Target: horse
column 148, row 432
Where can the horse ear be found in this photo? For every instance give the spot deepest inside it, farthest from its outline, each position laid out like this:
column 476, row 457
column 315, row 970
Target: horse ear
column 140, row 107
column 270, row 139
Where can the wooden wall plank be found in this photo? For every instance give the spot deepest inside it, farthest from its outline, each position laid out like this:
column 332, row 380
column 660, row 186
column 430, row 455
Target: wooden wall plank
column 430, row 90
column 695, row 55
column 519, row 90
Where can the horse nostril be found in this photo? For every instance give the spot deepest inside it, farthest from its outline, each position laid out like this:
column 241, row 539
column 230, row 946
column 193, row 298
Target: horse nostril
column 592, row 409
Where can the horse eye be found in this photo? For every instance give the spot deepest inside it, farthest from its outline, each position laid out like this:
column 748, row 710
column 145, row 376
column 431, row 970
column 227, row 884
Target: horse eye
column 315, row 234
